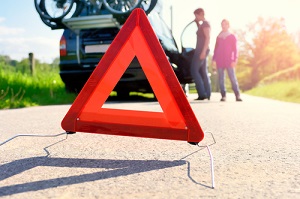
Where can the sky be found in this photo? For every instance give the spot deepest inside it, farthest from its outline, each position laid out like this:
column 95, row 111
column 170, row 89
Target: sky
column 22, row 31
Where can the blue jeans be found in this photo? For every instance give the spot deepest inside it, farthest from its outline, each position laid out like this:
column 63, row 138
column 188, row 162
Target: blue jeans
column 233, row 80
column 200, row 75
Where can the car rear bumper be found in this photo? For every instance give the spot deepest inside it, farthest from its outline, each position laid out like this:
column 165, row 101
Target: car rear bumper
column 133, row 79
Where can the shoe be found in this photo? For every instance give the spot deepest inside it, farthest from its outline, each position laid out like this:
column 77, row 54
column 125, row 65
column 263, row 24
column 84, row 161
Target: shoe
column 201, row 98
column 223, row 99
column 238, row 99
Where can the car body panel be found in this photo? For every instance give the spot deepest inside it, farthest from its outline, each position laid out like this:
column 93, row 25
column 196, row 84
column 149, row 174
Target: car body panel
column 86, row 47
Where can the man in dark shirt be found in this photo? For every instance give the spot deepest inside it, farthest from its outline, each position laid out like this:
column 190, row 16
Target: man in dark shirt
column 199, row 70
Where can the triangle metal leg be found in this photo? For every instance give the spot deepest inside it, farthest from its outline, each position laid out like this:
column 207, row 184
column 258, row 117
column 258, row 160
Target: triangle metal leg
column 211, row 159
column 211, row 167
column 33, row 135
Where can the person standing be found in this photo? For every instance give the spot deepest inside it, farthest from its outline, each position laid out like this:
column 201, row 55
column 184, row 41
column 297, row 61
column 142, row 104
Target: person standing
column 225, row 58
column 199, row 69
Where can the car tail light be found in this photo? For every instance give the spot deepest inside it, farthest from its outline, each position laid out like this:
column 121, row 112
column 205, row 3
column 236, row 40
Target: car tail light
column 63, row 46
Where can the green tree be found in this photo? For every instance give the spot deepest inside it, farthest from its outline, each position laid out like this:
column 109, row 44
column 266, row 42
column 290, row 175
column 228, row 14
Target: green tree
column 266, row 47
column 7, row 64
column 23, row 66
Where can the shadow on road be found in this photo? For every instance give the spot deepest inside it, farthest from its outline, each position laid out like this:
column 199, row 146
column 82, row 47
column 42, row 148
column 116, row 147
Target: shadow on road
column 112, row 169
column 115, row 168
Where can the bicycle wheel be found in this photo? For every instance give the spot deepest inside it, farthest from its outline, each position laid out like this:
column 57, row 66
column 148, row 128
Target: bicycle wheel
column 53, row 9
column 148, row 5
column 121, row 6
column 53, row 24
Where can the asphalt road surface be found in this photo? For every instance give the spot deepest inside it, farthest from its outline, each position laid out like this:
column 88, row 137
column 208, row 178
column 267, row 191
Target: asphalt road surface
column 256, row 155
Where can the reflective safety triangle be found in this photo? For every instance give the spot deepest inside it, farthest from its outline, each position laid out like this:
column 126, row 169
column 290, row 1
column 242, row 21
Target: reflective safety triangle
column 176, row 121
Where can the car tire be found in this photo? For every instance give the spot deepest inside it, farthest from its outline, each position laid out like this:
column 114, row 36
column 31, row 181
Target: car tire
column 73, row 88
column 123, row 94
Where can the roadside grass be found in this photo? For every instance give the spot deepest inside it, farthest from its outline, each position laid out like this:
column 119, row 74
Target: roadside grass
column 288, row 91
column 19, row 90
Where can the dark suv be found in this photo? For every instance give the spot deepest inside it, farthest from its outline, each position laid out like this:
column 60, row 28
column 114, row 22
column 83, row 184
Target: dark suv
column 87, row 37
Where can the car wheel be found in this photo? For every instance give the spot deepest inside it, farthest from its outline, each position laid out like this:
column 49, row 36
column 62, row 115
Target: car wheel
column 123, row 94
column 73, row 88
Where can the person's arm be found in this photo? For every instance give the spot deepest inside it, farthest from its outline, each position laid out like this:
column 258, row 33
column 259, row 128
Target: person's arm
column 206, row 31
column 215, row 50
column 234, row 52
column 214, row 55
column 197, row 23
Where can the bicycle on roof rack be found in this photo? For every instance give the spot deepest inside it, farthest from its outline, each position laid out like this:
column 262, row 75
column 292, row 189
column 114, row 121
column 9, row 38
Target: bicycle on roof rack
column 55, row 10
column 52, row 12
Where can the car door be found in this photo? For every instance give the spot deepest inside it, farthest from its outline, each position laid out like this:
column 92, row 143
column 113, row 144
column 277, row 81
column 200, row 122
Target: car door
column 188, row 41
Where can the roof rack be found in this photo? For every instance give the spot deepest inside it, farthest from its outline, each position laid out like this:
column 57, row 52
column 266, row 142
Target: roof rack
column 96, row 21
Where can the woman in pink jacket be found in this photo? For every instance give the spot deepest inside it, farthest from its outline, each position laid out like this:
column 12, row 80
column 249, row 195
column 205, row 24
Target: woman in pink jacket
column 225, row 58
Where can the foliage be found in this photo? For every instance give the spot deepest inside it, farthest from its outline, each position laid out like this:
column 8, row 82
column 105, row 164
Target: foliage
column 283, row 75
column 266, row 48
column 288, row 91
column 269, row 59
column 18, row 88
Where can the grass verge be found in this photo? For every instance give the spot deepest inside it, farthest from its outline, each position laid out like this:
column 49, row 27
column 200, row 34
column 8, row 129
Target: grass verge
column 22, row 90
column 19, row 90
column 288, row 91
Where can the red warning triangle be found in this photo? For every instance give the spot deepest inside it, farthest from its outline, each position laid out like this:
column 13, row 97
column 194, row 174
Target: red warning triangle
column 176, row 121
